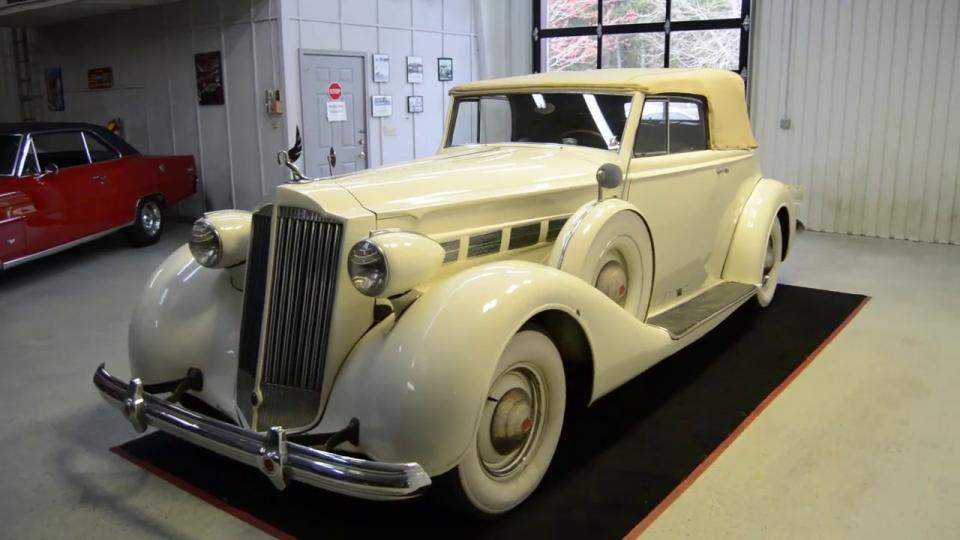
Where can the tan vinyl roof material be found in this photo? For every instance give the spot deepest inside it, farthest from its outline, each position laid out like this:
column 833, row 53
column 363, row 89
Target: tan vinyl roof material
column 724, row 91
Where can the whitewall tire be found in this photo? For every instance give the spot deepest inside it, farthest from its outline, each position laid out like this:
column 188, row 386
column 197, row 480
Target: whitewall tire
column 519, row 427
column 772, row 259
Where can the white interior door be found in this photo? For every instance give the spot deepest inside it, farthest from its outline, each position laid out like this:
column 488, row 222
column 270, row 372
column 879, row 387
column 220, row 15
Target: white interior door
column 332, row 89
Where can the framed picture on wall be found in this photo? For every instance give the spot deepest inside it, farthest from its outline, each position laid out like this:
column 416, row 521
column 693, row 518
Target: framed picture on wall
column 381, row 106
column 381, row 68
column 414, row 69
column 53, row 80
column 444, row 69
column 414, row 104
column 209, row 68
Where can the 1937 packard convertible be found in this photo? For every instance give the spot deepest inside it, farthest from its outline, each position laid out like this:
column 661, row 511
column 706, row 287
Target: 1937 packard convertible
column 370, row 333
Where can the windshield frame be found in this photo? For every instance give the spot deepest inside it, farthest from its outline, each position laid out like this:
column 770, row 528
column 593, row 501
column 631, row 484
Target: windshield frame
column 625, row 138
column 15, row 169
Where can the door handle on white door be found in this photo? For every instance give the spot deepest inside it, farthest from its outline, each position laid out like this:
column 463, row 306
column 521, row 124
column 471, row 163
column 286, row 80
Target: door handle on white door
column 722, row 170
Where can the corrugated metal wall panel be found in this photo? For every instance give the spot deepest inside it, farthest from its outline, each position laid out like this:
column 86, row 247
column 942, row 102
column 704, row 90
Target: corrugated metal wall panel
column 872, row 92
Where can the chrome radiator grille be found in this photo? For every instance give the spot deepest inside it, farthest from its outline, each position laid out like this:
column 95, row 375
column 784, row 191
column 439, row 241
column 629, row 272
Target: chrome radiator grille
column 306, row 257
column 296, row 305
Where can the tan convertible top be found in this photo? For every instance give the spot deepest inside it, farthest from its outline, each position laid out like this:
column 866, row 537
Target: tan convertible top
column 726, row 103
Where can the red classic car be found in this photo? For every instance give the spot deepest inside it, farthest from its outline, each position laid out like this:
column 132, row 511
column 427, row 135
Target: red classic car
column 64, row 184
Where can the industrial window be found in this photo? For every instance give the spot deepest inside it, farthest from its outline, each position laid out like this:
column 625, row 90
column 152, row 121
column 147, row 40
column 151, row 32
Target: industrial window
column 671, row 125
column 573, row 35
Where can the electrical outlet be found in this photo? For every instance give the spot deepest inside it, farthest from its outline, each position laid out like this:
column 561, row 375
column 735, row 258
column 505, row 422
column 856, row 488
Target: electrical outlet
column 785, row 123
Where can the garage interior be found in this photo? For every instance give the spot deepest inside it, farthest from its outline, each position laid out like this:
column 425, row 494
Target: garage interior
column 856, row 101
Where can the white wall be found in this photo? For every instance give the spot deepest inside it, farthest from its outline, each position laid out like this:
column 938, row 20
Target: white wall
column 872, row 88
column 399, row 28
column 504, row 29
column 151, row 52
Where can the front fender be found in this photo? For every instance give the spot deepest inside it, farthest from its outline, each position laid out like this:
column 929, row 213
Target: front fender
column 417, row 384
column 744, row 262
column 188, row 316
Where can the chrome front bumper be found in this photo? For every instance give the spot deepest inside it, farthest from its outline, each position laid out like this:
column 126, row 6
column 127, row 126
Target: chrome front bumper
column 270, row 452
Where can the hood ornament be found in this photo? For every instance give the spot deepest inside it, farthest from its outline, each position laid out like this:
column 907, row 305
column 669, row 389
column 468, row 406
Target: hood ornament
column 288, row 157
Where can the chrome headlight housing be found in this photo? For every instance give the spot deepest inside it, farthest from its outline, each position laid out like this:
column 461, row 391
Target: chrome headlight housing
column 391, row 263
column 368, row 268
column 220, row 239
column 205, row 243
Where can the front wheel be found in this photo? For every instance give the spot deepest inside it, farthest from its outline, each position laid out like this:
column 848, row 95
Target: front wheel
column 519, row 427
column 148, row 226
column 772, row 258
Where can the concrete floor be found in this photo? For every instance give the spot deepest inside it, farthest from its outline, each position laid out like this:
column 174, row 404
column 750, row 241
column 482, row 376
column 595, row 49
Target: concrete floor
column 863, row 444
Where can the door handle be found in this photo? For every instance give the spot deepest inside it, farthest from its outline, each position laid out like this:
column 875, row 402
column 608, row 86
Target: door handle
column 100, row 178
column 722, row 170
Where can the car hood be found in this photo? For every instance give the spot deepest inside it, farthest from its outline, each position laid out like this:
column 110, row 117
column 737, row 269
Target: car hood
column 473, row 174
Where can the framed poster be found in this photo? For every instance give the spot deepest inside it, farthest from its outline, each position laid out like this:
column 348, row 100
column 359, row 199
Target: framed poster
column 414, row 69
column 100, row 78
column 381, row 68
column 414, row 104
column 53, row 80
column 209, row 68
column 444, row 69
column 382, row 106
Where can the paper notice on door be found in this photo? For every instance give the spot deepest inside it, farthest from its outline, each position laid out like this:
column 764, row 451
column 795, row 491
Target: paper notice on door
column 336, row 111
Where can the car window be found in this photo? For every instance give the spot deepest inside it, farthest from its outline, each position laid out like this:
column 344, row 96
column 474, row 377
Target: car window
column 671, row 125
column 592, row 120
column 9, row 145
column 99, row 151
column 63, row 149
column 30, row 161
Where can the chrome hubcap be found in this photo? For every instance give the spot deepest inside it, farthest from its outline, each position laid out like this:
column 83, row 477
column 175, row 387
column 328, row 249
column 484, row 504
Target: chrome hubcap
column 150, row 218
column 612, row 281
column 512, row 422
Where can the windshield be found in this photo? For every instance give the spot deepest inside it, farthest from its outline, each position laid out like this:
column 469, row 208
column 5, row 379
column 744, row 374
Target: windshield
column 593, row 120
column 9, row 146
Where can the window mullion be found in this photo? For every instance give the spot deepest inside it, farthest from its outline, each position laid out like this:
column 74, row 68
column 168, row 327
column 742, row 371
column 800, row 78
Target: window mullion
column 666, row 38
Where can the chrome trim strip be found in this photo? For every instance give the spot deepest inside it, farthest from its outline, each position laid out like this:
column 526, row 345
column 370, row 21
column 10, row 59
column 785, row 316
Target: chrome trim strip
column 61, row 247
column 279, row 459
column 577, row 218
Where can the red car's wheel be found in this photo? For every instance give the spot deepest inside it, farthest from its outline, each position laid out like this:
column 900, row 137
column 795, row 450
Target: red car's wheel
column 148, row 226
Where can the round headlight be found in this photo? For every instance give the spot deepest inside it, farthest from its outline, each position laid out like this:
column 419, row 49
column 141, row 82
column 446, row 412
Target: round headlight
column 205, row 244
column 368, row 268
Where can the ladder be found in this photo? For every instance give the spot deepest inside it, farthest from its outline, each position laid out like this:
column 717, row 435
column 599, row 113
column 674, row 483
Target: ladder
column 21, row 60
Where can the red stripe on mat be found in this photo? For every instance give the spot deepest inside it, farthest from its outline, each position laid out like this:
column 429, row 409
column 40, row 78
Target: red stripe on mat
column 705, row 464
column 202, row 495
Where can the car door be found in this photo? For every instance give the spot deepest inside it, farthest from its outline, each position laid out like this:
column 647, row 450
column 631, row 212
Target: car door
column 62, row 190
column 119, row 181
column 11, row 199
column 672, row 181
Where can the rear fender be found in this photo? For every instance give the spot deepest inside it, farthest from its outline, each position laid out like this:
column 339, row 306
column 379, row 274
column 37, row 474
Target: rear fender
column 744, row 262
column 417, row 384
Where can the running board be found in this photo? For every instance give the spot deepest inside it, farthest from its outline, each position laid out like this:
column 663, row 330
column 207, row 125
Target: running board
column 686, row 317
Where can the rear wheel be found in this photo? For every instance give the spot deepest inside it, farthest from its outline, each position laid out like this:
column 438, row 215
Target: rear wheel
column 519, row 427
column 772, row 257
column 148, row 226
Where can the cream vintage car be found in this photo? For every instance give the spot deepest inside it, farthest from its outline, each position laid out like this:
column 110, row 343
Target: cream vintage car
column 435, row 321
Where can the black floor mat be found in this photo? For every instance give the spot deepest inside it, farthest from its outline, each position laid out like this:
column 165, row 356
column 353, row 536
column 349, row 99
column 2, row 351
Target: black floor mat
column 615, row 463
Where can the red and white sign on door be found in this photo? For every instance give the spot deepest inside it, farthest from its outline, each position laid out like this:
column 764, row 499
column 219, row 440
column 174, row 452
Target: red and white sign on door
column 335, row 91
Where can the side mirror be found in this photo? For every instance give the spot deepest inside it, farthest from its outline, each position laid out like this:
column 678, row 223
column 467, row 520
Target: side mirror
column 50, row 169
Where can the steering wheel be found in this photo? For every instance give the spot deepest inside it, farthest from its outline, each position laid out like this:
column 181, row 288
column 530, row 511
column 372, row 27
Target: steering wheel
column 595, row 134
